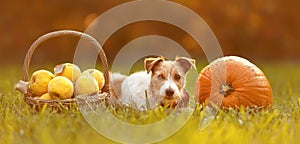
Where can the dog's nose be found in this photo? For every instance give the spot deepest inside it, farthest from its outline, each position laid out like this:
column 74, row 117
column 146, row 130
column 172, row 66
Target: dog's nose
column 169, row 92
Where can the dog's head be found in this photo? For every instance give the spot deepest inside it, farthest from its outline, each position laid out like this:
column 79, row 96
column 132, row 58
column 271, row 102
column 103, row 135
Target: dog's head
column 168, row 78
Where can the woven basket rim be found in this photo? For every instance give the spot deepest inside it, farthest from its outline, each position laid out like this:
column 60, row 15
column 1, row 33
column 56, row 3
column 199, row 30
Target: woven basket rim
column 66, row 102
column 29, row 98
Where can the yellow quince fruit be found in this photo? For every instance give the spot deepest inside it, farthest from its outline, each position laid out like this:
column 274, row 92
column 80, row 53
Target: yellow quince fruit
column 38, row 84
column 45, row 96
column 98, row 75
column 69, row 70
column 60, row 87
column 86, row 85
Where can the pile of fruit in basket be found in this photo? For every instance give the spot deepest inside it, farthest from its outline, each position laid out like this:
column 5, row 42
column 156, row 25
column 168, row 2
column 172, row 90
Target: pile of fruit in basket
column 67, row 82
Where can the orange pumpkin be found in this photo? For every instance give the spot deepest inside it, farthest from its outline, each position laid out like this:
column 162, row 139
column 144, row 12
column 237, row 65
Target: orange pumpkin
column 232, row 82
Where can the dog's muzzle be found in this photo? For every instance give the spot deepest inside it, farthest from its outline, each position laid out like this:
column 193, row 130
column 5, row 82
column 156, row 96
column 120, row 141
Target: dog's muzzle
column 173, row 101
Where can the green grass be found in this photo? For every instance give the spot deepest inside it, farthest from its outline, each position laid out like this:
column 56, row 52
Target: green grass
column 20, row 124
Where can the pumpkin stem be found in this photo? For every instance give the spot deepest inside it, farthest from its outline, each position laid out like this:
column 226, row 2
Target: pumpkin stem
column 226, row 89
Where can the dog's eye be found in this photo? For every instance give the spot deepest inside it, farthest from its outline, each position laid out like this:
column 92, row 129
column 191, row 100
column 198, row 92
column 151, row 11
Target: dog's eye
column 177, row 77
column 161, row 76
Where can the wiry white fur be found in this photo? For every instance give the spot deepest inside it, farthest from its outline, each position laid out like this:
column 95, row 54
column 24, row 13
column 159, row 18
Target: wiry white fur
column 134, row 87
column 133, row 90
column 155, row 83
column 117, row 76
column 169, row 84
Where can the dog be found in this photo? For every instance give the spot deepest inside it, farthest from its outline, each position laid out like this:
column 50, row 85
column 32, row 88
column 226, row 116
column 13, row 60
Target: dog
column 162, row 83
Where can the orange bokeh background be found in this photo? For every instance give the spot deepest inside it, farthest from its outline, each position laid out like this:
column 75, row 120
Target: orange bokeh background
column 259, row 30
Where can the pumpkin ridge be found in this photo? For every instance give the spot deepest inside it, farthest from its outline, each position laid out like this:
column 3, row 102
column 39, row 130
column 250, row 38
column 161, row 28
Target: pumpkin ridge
column 252, row 83
column 243, row 80
column 238, row 74
column 239, row 98
column 246, row 98
column 206, row 77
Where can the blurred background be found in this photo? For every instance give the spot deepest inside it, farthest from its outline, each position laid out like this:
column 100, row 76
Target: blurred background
column 267, row 31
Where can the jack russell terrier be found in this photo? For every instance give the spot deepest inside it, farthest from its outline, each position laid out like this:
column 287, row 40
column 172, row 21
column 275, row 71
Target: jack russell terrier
column 161, row 84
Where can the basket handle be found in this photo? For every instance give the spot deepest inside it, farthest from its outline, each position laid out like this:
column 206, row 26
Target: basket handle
column 54, row 34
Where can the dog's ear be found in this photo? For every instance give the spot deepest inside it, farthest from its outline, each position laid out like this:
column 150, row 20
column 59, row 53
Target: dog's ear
column 150, row 63
column 186, row 63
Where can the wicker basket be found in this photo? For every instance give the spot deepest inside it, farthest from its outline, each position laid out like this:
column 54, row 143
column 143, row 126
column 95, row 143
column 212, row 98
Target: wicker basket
column 66, row 103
